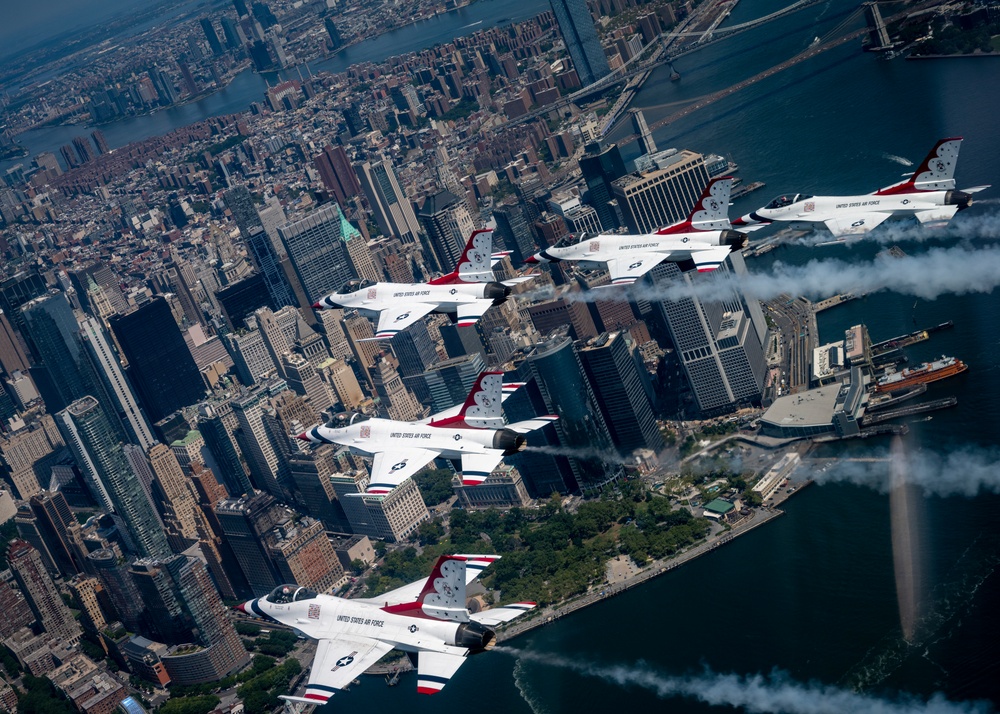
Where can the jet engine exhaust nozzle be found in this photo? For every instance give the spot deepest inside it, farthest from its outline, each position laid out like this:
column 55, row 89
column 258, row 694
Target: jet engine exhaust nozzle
column 475, row 636
column 497, row 292
column 510, row 441
column 734, row 239
column 958, row 198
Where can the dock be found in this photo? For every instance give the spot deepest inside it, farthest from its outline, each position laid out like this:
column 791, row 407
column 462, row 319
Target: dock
column 913, row 409
column 910, row 339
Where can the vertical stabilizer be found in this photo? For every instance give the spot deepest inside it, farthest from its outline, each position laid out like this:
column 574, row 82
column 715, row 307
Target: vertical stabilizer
column 935, row 173
column 710, row 213
column 475, row 265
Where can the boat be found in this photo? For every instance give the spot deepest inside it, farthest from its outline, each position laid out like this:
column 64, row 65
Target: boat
column 927, row 372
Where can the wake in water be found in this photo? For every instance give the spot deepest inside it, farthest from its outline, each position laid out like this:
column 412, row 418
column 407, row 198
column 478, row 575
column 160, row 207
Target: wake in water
column 897, row 159
column 776, row 693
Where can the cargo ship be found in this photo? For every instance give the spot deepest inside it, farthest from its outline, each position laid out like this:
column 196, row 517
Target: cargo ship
column 927, row 372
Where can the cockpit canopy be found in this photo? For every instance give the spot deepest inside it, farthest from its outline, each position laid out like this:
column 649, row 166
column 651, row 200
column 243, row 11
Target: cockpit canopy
column 342, row 419
column 787, row 200
column 290, row 592
column 573, row 239
column 352, row 286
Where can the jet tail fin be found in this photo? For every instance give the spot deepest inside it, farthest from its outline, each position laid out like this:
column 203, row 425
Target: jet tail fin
column 443, row 594
column 476, row 263
column 481, row 409
column 935, row 173
column 710, row 213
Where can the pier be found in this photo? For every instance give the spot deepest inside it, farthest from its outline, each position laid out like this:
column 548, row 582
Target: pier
column 913, row 409
column 910, row 339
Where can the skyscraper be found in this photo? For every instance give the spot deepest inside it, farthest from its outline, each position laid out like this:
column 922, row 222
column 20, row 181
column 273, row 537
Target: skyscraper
column 12, row 355
column 211, row 36
column 41, row 593
column 260, row 245
column 101, row 459
column 244, row 522
column 567, row 393
column 113, row 573
column 580, row 35
column 721, row 343
column 160, row 363
column 600, row 168
column 337, row 173
column 393, row 211
column 448, row 225
column 56, row 334
column 663, row 193
column 317, row 247
column 266, row 466
column 613, row 373
column 515, row 231
column 122, row 399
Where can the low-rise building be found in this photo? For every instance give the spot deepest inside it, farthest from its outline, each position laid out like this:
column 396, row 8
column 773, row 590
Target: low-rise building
column 503, row 488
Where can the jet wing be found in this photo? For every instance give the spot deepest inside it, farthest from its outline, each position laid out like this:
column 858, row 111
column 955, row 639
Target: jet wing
column 627, row 269
column 938, row 214
column 854, row 224
column 523, row 427
column 476, row 468
column 710, row 258
column 391, row 468
column 434, row 669
column 397, row 318
column 499, row 615
column 470, row 312
column 337, row 663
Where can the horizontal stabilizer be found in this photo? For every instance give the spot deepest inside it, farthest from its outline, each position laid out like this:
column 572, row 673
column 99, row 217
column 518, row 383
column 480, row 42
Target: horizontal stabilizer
column 434, row 669
column 499, row 615
column 523, row 427
column 854, row 225
column 938, row 214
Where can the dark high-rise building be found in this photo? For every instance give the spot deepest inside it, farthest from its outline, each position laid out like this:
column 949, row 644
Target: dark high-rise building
column 461, row 341
column 213, row 39
column 124, row 596
column 244, row 522
column 261, row 247
column 41, row 593
column 614, row 375
column 219, row 442
column 69, row 156
column 393, row 211
column 231, row 33
column 310, row 471
column 101, row 457
column 12, row 355
column 567, row 393
column 448, row 225
column 720, row 344
column 239, row 300
column 600, row 168
column 414, row 349
column 543, row 473
column 164, row 86
column 580, row 35
column 83, row 149
column 55, row 332
column 241, row 8
column 99, row 141
column 317, row 247
column 448, row 383
column 515, row 231
column 334, row 33
column 356, row 124
column 337, row 173
column 54, row 521
column 160, row 363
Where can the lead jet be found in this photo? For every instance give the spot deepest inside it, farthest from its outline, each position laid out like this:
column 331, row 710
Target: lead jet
column 467, row 292
column 428, row 619
column 475, row 435
column 701, row 241
column 928, row 195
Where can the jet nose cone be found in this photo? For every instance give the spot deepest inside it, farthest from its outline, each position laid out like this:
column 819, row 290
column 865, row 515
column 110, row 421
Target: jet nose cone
column 303, row 437
column 532, row 260
column 242, row 607
column 317, row 306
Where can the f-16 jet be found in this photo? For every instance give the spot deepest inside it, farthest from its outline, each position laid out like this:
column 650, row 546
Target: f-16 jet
column 467, row 292
column 928, row 195
column 475, row 434
column 701, row 241
column 426, row 618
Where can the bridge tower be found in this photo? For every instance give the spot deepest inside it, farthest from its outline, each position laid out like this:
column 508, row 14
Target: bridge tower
column 642, row 131
column 876, row 28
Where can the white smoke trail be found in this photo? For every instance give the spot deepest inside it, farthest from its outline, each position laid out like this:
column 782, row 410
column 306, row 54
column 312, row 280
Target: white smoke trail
column 776, row 693
column 897, row 159
column 984, row 226
column 965, row 472
column 604, row 455
column 940, row 271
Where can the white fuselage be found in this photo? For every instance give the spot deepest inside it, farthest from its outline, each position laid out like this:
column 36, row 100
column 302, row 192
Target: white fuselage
column 603, row 248
column 382, row 296
column 818, row 209
column 327, row 617
column 377, row 435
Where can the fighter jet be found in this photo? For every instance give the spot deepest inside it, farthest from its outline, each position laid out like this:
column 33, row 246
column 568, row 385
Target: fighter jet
column 428, row 619
column 701, row 241
column 468, row 291
column 475, row 434
column 928, row 194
